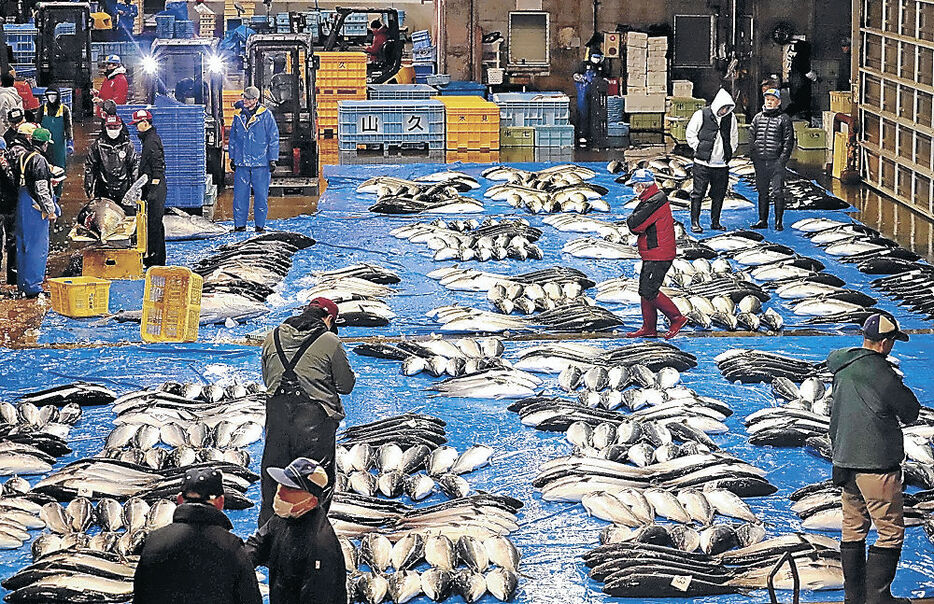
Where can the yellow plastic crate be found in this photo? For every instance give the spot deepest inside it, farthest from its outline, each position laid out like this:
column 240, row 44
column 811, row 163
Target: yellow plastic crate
column 472, row 123
column 341, row 70
column 171, row 305
column 108, row 263
column 812, row 138
column 517, row 136
column 79, row 296
column 326, row 109
column 229, row 97
column 471, row 157
column 681, row 106
column 841, row 101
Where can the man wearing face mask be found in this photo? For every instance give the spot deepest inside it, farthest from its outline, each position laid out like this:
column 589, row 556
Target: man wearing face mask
column 589, row 70
column 115, row 86
column 112, row 164
column 305, row 368
column 771, row 141
column 713, row 134
column 196, row 559
column 55, row 117
column 652, row 221
column 152, row 164
column 298, row 544
column 254, row 151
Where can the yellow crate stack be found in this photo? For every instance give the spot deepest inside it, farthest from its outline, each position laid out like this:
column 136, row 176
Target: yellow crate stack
column 79, row 297
column 138, row 20
column 341, row 76
column 207, row 21
column 472, row 129
column 171, row 305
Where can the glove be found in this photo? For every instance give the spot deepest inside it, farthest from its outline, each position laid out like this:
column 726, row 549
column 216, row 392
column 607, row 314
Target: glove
column 272, row 166
column 233, row 168
column 578, row 77
column 70, row 147
column 811, row 75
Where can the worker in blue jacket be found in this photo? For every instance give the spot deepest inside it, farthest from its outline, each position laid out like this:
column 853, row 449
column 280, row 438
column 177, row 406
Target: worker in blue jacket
column 254, row 150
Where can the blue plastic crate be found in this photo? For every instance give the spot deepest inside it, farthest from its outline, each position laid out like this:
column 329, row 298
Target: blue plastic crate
column 556, row 137
column 24, row 70
column 617, row 129
column 423, row 54
column 532, row 108
column 421, row 39
column 165, row 26
column 184, row 29
column 406, row 123
column 354, row 29
column 439, row 79
column 401, row 18
column 400, row 91
column 614, row 108
column 356, row 18
column 462, row 89
column 422, row 71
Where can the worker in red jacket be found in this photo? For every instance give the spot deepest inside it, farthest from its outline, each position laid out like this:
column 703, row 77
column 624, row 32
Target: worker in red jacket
column 380, row 36
column 115, row 86
column 653, row 223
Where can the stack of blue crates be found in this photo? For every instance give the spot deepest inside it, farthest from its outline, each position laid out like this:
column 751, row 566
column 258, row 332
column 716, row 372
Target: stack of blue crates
column 22, row 39
column 184, row 29
column 128, row 51
column 181, row 128
column 65, row 94
column 282, row 23
column 407, row 124
column 165, row 26
column 615, row 126
column 355, row 25
column 462, row 89
column 423, row 55
column 547, row 112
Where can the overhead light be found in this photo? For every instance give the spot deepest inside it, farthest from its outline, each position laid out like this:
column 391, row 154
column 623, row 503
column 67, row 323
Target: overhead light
column 150, row 65
column 216, row 63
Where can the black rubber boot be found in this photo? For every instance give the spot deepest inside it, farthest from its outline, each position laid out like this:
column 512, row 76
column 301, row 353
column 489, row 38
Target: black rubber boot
column 695, row 216
column 779, row 212
column 881, row 564
column 853, row 558
column 715, row 209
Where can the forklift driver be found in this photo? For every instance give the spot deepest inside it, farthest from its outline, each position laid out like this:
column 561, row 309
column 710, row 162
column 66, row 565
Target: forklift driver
column 380, row 36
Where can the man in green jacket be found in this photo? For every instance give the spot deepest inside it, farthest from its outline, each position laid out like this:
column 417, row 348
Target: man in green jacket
column 869, row 401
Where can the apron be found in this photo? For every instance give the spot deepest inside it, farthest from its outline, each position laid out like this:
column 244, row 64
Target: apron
column 56, row 125
column 296, row 426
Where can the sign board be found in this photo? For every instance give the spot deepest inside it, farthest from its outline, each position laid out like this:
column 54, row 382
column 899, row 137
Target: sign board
column 375, row 123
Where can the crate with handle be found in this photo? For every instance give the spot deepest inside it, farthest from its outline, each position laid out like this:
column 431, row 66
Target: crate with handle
column 171, row 305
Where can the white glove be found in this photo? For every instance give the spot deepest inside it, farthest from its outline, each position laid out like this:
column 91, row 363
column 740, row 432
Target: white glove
column 811, row 75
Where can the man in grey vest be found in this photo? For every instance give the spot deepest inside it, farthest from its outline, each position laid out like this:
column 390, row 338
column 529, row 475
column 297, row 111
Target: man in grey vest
column 713, row 135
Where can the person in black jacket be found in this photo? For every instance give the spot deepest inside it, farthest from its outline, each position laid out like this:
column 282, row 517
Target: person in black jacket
column 152, row 164
column 9, row 192
column 771, row 141
column 869, row 401
column 16, row 117
column 196, row 559
column 112, row 164
column 298, row 544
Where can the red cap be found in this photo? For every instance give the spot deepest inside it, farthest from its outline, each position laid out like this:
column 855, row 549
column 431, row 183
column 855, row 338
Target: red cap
column 141, row 115
column 325, row 304
column 113, row 121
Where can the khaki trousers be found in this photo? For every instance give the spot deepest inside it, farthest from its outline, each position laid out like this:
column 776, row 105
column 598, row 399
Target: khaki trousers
column 877, row 499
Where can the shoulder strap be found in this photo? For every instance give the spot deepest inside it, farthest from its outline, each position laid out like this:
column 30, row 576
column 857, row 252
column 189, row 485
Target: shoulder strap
column 23, row 160
column 290, row 364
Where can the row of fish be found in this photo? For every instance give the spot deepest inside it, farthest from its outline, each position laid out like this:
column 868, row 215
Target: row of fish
column 439, row 357
column 751, row 366
column 820, row 507
column 636, row 508
column 378, row 553
column 359, row 291
column 490, row 240
column 81, row 514
column 437, row 193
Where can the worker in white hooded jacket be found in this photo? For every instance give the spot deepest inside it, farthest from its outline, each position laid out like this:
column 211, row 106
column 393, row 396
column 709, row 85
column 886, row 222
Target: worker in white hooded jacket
column 713, row 134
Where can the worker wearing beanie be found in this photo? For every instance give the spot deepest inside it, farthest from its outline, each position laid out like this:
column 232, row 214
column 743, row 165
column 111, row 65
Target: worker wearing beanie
column 254, row 151
column 55, row 116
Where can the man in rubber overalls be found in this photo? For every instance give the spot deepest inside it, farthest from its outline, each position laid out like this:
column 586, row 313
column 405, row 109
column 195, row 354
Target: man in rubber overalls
column 589, row 70
column 306, row 369
column 55, row 116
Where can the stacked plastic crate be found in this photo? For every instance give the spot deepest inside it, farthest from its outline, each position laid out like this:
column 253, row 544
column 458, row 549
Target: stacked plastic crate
column 400, row 92
column 471, row 128
column 341, row 76
column 423, row 55
column 181, row 128
column 282, row 23
column 615, row 126
column 165, row 26
column 397, row 127
column 21, row 38
column 680, row 110
column 546, row 113
column 184, row 29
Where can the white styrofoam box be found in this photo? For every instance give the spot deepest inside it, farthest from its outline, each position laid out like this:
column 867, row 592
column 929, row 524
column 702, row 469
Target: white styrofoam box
column 637, row 81
column 636, row 90
column 636, row 55
column 644, row 103
column 682, row 88
column 658, row 41
column 657, row 78
column 638, row 39
column 656, row 89
column 657, row 64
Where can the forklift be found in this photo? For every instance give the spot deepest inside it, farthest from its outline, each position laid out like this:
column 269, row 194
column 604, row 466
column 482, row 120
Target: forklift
column 192, row 72
column 277, row 65
column 387, row 64
column 63, row 49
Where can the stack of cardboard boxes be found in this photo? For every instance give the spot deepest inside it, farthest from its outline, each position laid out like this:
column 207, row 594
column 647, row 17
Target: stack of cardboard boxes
column 656, row 66
column 646, row 82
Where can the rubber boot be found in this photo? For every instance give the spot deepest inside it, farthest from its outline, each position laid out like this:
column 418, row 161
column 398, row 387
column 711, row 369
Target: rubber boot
column 881, row 564
column 763, row 213
column 853, row 558
column 675, row 319
column 695, row 216
column 779, row 212
column 649, row 321
column 715, row 209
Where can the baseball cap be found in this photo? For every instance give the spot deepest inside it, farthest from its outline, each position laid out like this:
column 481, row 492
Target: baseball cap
column 250, row 92
column 772, row 92
column 204, row 483
column 641, row 176
column 42, row 135
column 113, row 121
column 26, row 128
column 303, row 474
column 113, row 59
column 325, row 304
column 141, row 115
column 15, row 114
column 883, row 327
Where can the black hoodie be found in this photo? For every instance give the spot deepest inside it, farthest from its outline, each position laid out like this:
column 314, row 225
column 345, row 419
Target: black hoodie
column 111, row 167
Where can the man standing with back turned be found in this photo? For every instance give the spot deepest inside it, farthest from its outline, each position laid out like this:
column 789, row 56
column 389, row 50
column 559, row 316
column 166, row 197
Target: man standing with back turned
column 869, row 401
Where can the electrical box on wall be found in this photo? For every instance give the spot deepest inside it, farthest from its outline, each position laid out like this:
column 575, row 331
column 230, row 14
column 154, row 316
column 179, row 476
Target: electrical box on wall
column 529, row 41
column 611, row 45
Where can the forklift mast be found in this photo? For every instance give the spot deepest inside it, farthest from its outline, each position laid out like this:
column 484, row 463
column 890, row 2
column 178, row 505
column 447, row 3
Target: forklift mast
column 277, row 66
column 191, row 71
column 63, row 48
column 384, row 69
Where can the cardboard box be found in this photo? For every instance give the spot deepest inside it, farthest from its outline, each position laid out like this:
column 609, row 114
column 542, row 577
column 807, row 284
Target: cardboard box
column 657, row 42
column 683, row 88
column 637, row 90
column 635, row 83
column 657, row 78
column 656, row 90
column 657, row 64
column 644, row 103
column 638, row 39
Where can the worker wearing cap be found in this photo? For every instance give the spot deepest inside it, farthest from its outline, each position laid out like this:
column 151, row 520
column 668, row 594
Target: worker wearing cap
column 55, row 116
column 306, row 369
column 869, row 403
column 652, row 221
column 115, row 87
column 298, row 543
column 15, row 118
column 112, row 164
column 196, row 559
column 10, row 100
column 152, row 164
column 771, row 141
column 254, row 150
column 35, row 208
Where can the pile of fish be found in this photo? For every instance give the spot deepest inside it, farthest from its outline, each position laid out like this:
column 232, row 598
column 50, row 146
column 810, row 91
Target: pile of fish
column 751, row 366
column 554, row 189
column 433, row 565
column 82, row 394
column 555, row 357
column 123, row 528
column 800, row 193
column 820, row 507
column 358, row 290
column 387, row 457
column 182, row 226
column 75, row 574
column 507, row 383
column 438, row 357
column 463, row 319
column 437, row 193
column 32, row 437
column 19, row 513
column 911, row 288
column 711, row 538
column 655, row 569
column 579, row 315
column 468, row 279
column 474, row 240
column 804, row 414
